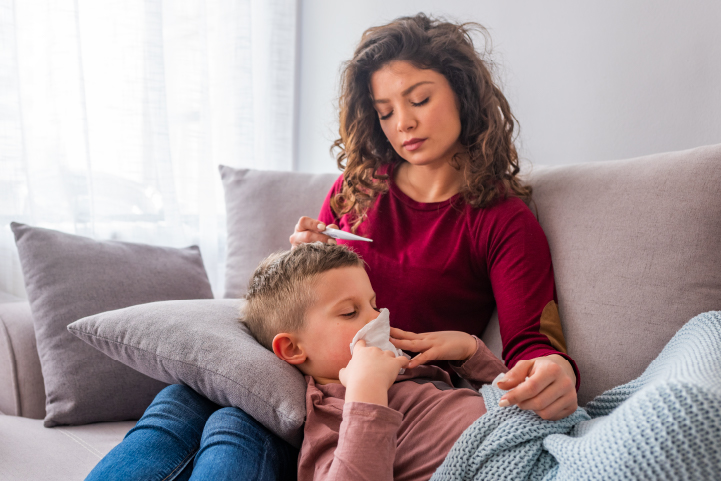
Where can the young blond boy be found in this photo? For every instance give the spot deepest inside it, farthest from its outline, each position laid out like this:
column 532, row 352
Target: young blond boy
column 364, row 420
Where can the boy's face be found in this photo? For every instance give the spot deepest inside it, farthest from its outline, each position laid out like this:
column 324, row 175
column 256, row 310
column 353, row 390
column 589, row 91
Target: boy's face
column 345, row 302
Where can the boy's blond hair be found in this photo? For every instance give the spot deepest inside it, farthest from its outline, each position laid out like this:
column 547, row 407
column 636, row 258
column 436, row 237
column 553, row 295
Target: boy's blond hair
column 281, row 288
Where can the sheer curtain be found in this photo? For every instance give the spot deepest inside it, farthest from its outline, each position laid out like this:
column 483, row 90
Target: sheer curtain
column 115, row 114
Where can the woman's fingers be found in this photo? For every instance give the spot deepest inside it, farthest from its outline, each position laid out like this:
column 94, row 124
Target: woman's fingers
column 559, row 409
column 542, row 400
column 516, row 376
column 308, row 223
column 308, row 230
column 306, row 237
column 528, row 389
column 549, row 391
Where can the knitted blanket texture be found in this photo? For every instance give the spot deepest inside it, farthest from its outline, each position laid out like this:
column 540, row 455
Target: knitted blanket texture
column 664, row 425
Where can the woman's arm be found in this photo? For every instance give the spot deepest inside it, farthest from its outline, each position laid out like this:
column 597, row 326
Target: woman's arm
column 518, row 260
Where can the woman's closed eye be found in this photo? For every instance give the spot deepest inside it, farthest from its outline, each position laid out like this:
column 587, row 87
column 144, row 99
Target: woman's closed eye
column 349, row 314
column 415, row 104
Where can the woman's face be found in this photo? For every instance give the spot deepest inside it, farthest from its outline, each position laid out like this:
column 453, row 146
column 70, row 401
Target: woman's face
column 418, row 112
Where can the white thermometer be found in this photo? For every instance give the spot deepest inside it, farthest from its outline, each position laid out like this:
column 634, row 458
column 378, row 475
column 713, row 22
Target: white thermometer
column 341, row 234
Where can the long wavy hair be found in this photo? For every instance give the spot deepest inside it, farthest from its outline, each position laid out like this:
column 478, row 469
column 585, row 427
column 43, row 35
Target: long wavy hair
column 489, row 162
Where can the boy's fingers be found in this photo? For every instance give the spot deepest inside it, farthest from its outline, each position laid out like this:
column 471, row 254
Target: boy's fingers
column 401, row 334
column 422, row 358
column 411, row 345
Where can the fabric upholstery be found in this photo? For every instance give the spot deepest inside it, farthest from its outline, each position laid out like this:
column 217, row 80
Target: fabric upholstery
column 202, row 344
column 29, row 451
column 262, row 209
column 68, row 277
column 22, row 392
column 636, row 247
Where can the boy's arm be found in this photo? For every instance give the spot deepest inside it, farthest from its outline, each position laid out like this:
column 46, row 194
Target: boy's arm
column 366, row 444
column 481, row 367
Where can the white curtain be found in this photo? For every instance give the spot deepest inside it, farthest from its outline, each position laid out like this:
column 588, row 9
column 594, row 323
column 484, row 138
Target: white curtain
column 114, row 115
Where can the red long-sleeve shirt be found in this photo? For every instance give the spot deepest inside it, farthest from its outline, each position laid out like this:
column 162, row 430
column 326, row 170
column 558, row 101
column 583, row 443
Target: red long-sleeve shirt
column 447, row 266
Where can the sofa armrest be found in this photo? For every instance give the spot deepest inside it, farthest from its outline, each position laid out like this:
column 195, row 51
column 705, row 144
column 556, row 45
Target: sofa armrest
column 22, row 392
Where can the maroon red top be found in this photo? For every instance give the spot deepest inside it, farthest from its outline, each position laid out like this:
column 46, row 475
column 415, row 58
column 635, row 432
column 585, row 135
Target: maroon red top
column 447, row 266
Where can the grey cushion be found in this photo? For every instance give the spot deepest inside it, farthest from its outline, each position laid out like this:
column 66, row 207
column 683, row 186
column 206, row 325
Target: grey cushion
column 636, row 247
column 202, row 344
column 262, row 209
column 29, row 451
column 68, row 277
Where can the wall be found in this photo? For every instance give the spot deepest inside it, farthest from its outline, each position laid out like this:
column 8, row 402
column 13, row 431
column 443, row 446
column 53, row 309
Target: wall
column 588, row 81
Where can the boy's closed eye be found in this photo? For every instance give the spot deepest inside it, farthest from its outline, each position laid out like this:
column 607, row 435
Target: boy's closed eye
column 353, row 313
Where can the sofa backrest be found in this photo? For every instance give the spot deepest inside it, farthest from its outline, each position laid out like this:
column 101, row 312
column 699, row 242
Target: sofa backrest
column 636, row 248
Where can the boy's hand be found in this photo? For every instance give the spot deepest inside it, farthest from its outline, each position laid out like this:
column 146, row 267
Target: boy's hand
column 370, row 373
column 442, row 345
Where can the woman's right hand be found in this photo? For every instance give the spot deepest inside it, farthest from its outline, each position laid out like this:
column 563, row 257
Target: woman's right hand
column 309, row 230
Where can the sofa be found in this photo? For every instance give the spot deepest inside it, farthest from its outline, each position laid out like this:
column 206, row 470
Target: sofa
column 636, row 253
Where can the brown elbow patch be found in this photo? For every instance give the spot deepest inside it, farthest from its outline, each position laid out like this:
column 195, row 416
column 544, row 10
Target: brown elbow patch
column 551, row 327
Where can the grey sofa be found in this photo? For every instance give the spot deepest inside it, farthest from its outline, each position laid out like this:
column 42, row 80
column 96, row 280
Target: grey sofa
column 636, row 253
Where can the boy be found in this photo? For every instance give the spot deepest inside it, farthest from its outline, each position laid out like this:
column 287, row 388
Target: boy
column 364, row 420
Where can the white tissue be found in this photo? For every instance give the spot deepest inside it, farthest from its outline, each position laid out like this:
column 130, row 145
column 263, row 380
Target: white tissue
column 377, row 333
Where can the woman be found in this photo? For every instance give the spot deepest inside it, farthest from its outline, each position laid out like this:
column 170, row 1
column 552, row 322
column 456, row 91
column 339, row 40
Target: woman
column 430, row 173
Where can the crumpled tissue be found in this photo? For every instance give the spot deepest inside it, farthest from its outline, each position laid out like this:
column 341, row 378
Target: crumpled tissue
column 377, row 333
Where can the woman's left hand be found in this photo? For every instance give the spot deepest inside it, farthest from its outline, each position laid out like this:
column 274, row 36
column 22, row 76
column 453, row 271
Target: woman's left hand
column 549, row 391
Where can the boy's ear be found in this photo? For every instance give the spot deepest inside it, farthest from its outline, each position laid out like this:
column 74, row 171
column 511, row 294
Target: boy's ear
column 285, row 346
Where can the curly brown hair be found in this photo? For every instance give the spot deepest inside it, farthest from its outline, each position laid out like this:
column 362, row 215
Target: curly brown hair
column 489, row 163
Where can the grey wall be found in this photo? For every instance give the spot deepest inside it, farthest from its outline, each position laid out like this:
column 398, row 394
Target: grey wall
column 588, row 81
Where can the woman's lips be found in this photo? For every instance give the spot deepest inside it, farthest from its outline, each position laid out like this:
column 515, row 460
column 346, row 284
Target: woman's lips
column 414, row 145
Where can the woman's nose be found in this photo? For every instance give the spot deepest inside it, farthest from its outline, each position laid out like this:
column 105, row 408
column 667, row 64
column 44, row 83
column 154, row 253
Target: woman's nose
column 406, row 120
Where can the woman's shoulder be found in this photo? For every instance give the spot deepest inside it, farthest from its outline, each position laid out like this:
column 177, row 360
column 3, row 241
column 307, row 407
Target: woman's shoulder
column 509, row 214
column 503, row 209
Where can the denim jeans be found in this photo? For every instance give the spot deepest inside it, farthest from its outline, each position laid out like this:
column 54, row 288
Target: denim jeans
column 184, row 436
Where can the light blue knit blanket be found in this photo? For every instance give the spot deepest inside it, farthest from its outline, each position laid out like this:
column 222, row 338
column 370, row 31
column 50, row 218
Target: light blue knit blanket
column 664, row 425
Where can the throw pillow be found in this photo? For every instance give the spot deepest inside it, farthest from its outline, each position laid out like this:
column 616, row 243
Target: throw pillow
column 202, row 344
column 69, row 277
column 262, row 209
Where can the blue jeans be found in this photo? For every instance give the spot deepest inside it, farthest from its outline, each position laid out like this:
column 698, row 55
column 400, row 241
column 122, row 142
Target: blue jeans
column 184, row 436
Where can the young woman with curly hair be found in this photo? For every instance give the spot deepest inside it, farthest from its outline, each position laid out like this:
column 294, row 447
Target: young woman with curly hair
column 430, row 173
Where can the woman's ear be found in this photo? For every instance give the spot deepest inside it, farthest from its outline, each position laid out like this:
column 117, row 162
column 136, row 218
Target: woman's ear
column 285, row 346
